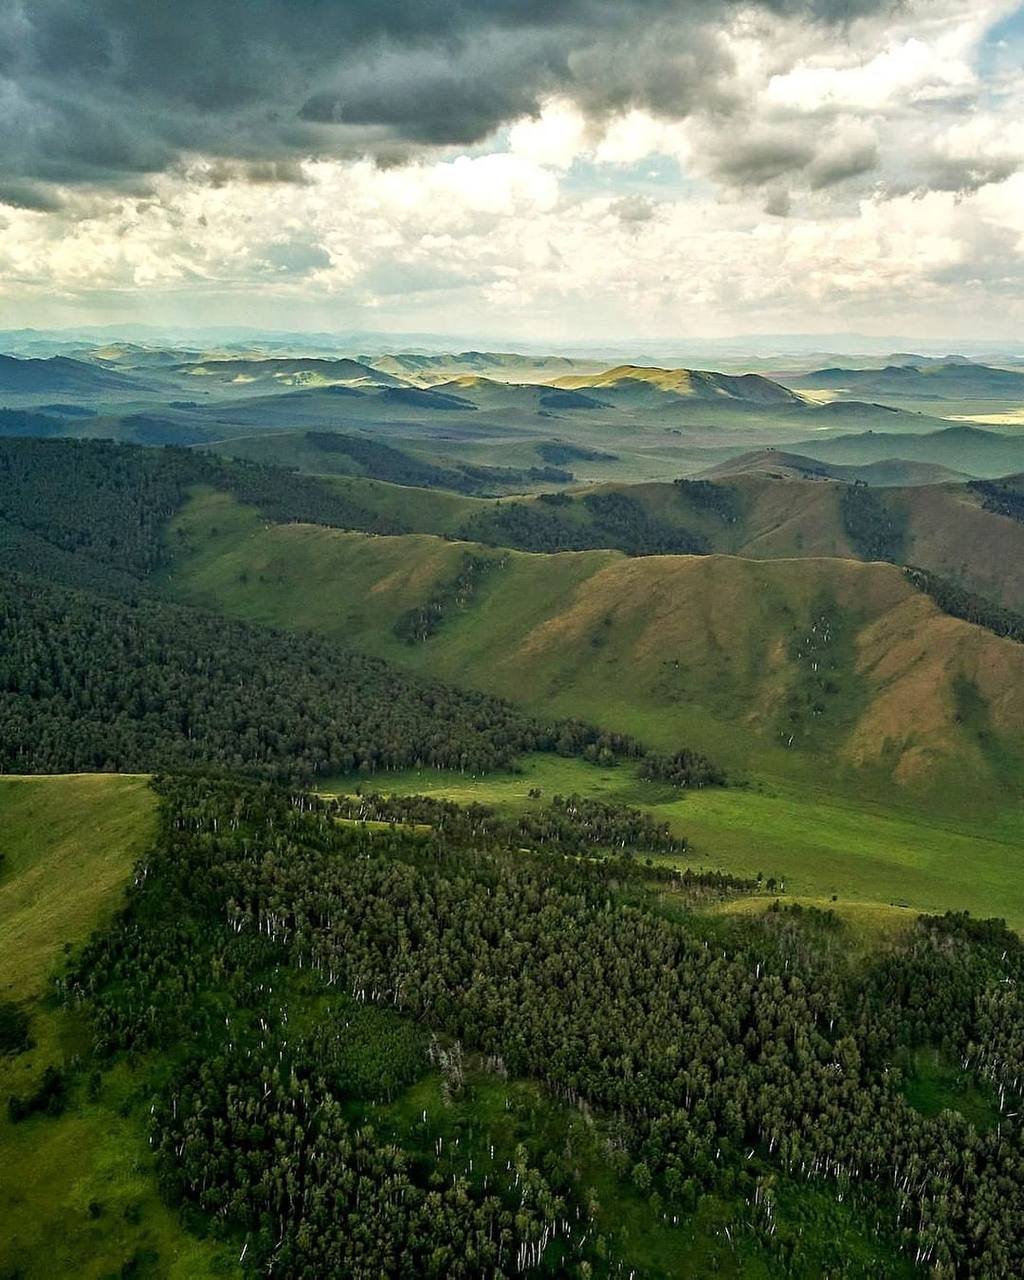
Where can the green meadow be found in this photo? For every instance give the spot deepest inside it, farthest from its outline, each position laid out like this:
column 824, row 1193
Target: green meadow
column 77, row 1192
column 879, row 864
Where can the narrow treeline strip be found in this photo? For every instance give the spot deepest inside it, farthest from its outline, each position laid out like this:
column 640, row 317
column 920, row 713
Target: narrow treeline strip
column 966, row 605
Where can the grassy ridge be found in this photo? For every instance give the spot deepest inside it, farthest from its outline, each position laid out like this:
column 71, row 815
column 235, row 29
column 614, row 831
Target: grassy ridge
column 947, row 530
column 787, row 668
column 70, row 843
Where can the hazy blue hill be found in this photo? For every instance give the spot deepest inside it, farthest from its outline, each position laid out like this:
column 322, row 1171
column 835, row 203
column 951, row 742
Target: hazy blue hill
column 947, row 381
column 60, row 375
column 985, row 454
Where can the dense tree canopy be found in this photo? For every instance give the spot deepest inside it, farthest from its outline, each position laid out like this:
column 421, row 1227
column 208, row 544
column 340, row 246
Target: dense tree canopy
column 875, row 526
column 721, row 1061
column 93, row 508
column 87, row 683
column 397, row 466
column 601, row 519
column 959, row 603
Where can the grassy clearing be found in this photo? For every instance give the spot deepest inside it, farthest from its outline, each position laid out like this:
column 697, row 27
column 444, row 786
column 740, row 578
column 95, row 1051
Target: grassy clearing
column 70, row 843
column 934, row 1084
column 882, row 863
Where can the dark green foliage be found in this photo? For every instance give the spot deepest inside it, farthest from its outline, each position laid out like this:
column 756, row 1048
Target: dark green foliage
column 726, row 1061
column 568, row 824
column 396, row 466
column 683, row 768
column 612, row 519
column 49, row 1097
column 14, row 1025
column 89, row 684
column 92, row 509
column 384, row 462
column 720, row 499
column 1000, row 498
column 875, row 526
column 419, row 624
column 525, row 527
column 264, row 1145
column 559, row 452
column 101, row 502
column 621, row 521
column 958, row 603
column 824, row 675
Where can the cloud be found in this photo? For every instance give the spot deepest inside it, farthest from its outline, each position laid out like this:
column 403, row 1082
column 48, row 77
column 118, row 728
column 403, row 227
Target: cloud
column 645, row 165
column 100, row 91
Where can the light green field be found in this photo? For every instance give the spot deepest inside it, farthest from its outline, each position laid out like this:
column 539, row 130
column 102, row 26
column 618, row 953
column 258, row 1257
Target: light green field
column 901, row 789
column 70, row 844
column 882, row 863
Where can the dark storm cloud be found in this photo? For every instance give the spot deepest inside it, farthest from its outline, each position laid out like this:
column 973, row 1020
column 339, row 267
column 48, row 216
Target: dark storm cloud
column 102, row 91
column 753, row 161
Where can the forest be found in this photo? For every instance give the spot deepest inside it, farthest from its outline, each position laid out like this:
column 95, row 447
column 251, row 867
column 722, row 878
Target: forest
column 87, row 683
column 90, row 684
column 736, row 1061
column 420, row 623
column 397, row 466
column 611, row 519
column 1000, row 498
column 968, row 605
column 875, row 527
column 93, row 507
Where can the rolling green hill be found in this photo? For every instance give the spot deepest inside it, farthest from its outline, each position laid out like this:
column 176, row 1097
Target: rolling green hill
column 648, row 387
column 719, row 652
column 762, row 514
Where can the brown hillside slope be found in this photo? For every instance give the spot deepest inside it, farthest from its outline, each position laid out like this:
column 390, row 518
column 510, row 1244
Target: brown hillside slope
column 951, row 534
column 948, row 531
column 793, row 665
column 728, row 642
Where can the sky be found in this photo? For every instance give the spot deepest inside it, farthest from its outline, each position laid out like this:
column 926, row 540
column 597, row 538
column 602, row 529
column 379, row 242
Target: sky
column 552, row 170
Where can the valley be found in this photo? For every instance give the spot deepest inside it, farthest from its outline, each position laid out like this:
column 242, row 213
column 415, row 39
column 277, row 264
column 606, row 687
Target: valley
column 632, row 645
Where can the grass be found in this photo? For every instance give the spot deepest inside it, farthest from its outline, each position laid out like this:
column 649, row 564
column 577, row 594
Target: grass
column 934, row 1084
column 70, row 843
column 674, row 649
column 882, row 863
column 890, row 792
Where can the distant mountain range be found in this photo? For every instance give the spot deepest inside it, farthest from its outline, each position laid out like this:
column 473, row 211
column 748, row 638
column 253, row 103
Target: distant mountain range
column 307, row 372
column 950, row 380
column 505, row 366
